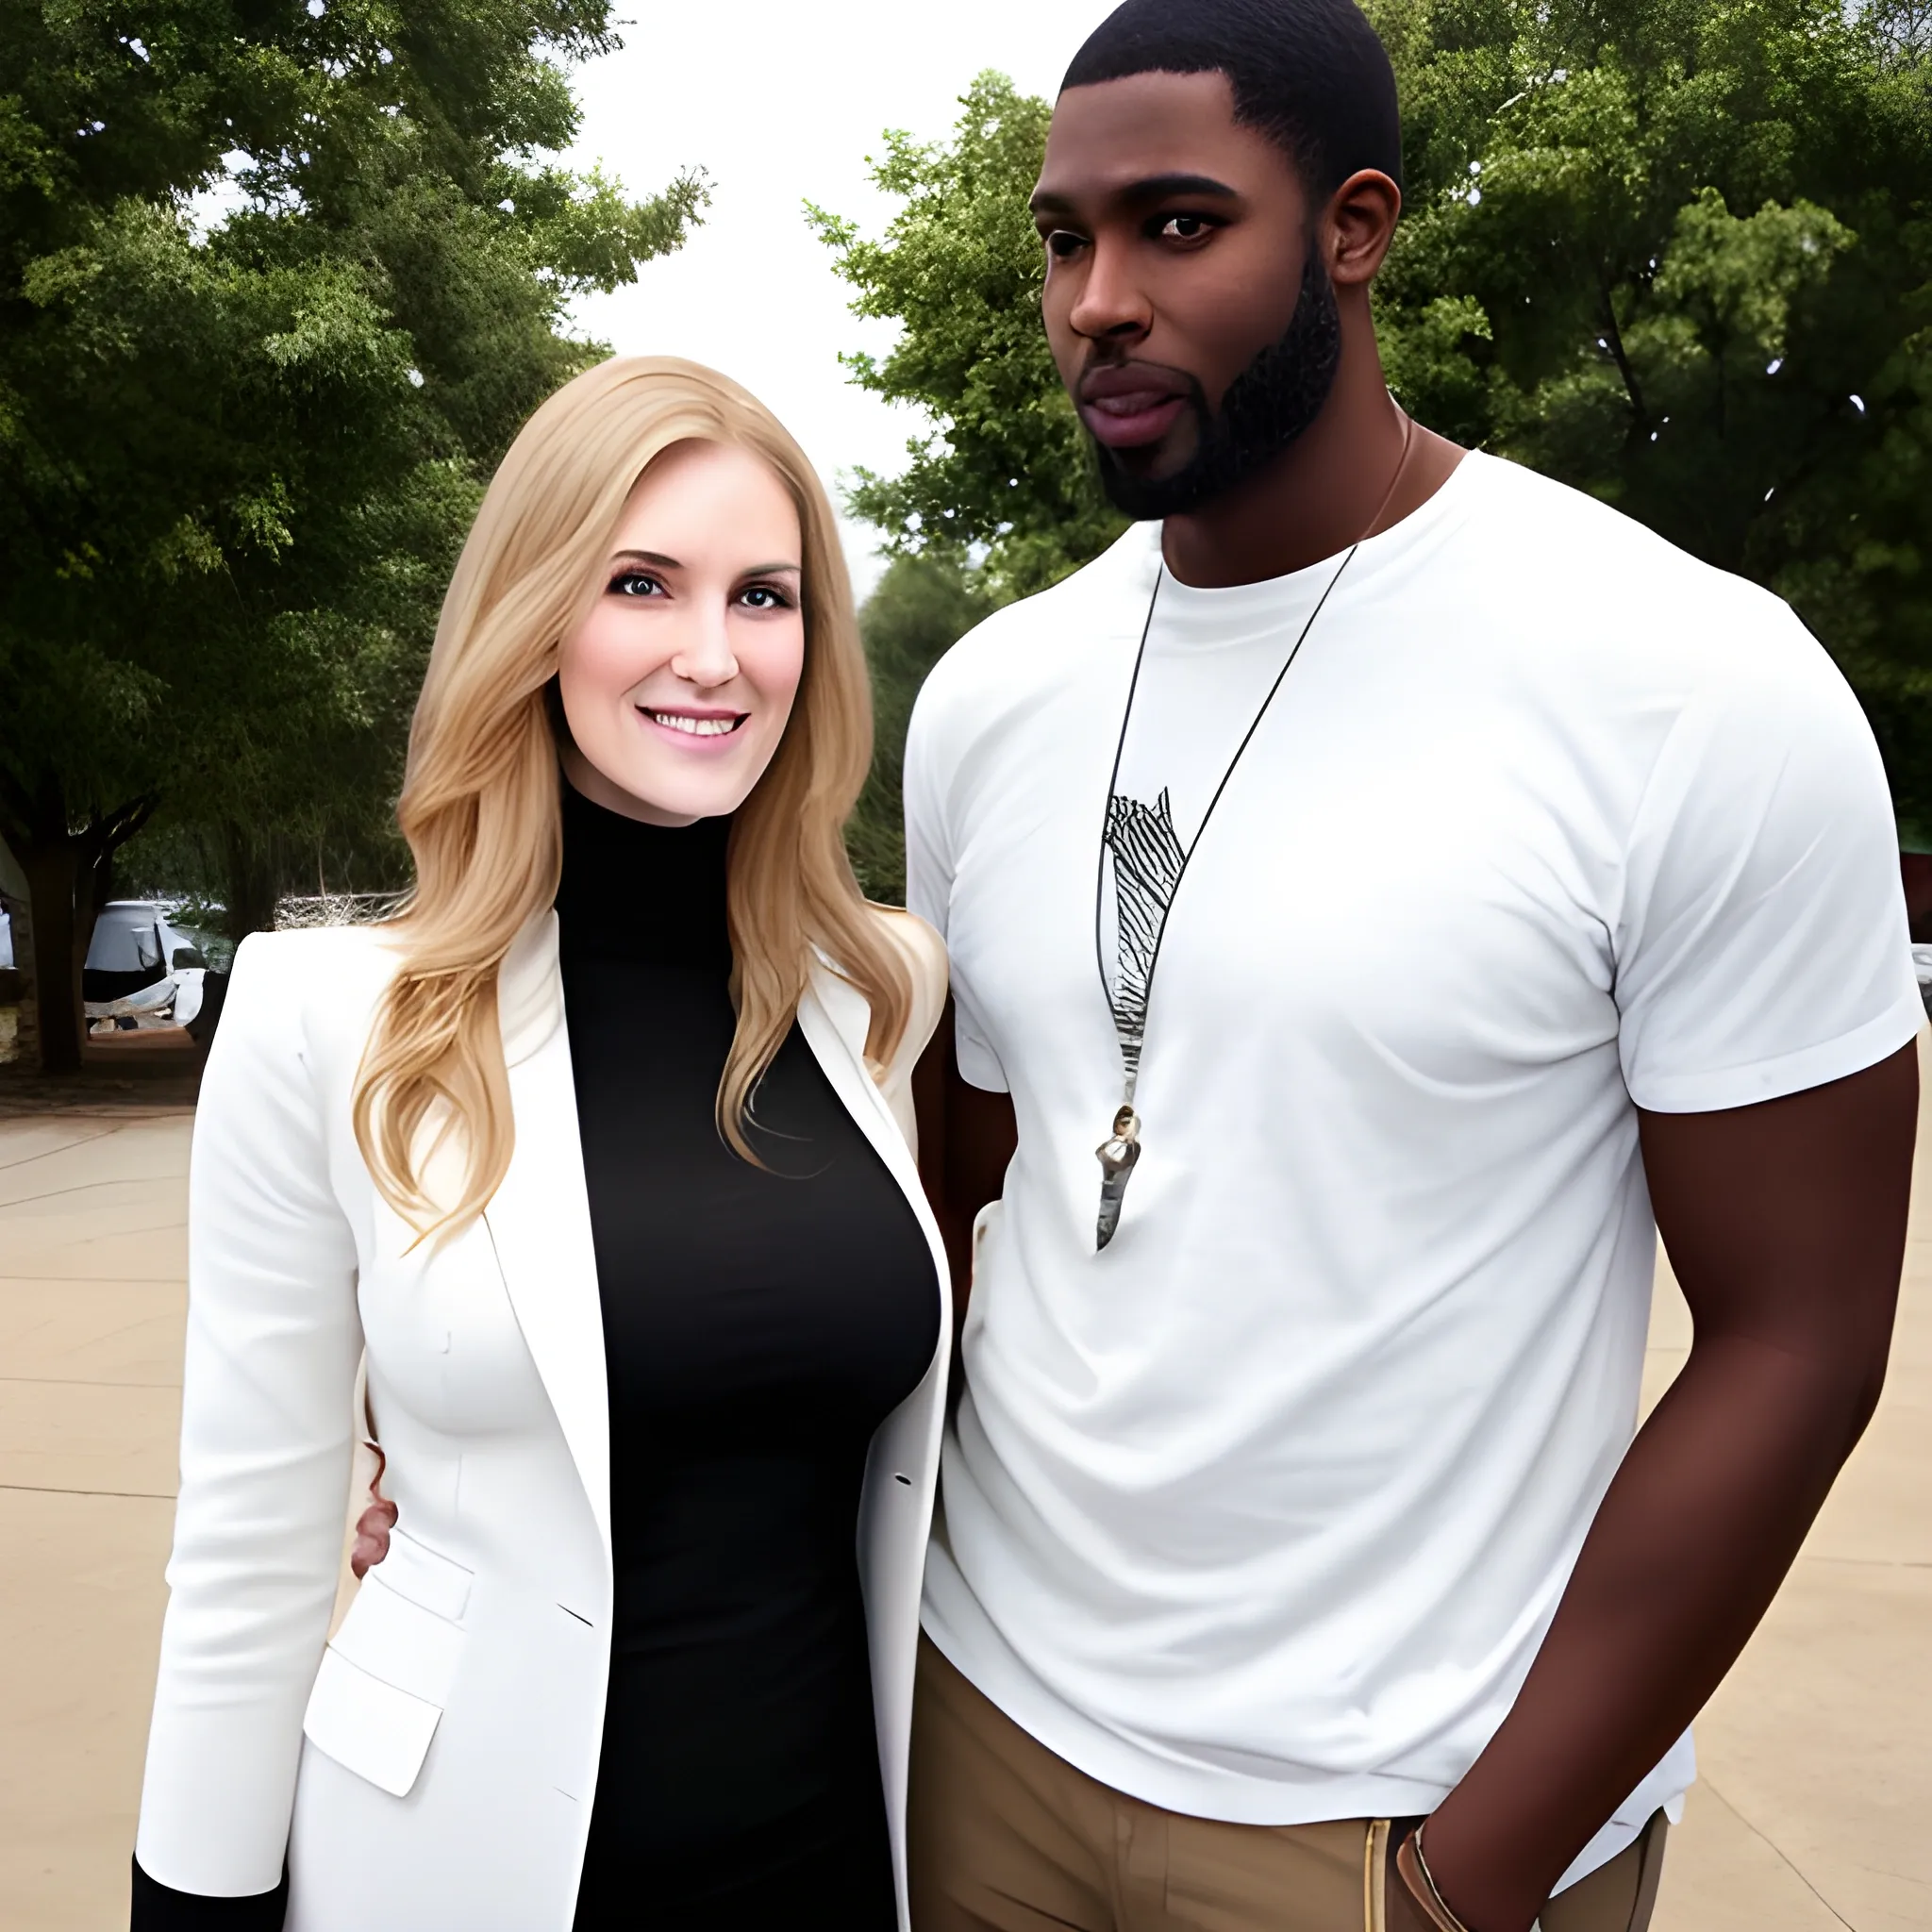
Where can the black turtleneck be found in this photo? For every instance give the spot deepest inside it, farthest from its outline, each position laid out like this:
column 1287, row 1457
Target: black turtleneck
column 759, row 1325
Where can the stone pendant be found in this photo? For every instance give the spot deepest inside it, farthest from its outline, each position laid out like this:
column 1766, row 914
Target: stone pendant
column 1117, row 1155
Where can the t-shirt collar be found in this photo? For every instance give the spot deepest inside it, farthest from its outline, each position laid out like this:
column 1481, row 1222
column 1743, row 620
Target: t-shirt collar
column 1193, row 617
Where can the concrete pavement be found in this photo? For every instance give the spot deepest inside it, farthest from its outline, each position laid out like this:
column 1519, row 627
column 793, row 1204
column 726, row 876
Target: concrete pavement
column 92, row 1272
column 1816, row 1753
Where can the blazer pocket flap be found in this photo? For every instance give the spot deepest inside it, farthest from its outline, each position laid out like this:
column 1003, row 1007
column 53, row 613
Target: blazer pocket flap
column 425, row 1576
column 377, row 1731
column 398, row 1640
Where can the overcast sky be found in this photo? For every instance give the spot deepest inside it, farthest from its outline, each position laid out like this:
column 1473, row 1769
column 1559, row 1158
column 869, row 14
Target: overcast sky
column 781, row 101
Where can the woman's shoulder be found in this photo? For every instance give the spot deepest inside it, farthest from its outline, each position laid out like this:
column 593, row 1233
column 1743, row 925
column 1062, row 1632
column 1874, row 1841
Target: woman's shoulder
column 924, row 954
column 312, row 983
column 317, row 958
column 925, row 951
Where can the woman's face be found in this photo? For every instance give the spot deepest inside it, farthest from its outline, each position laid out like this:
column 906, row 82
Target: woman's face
column 677, row 684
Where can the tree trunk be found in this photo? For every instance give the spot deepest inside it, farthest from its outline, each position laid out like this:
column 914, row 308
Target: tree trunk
column 253, row 883
column 67, row 875
column 53, row 869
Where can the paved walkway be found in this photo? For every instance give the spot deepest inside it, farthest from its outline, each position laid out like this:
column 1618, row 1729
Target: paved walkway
column 1817, row 1752
column 92, row 1267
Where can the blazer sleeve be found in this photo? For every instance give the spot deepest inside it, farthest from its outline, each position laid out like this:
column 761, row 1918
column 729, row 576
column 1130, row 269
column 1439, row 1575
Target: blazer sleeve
column 924, row 954
column 267, row 1434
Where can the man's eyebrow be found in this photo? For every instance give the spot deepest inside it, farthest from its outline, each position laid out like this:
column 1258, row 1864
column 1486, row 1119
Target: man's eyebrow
column 1150, row 188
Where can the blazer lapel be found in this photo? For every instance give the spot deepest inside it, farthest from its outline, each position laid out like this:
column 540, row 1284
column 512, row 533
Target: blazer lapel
column 539, row 1217
column 834, row 1018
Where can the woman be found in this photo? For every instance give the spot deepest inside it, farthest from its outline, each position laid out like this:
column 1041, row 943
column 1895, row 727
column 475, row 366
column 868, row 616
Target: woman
column 618, row 1198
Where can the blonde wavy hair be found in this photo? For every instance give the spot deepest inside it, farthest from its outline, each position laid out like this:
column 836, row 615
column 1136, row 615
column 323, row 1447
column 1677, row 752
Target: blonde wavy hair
column 481, row 808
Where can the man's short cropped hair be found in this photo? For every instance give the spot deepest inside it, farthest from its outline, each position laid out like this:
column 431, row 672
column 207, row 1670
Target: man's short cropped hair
column 1312, row 74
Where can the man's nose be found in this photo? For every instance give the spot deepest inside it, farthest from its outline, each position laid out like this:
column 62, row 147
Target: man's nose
column 1110, row 304
column 703, row 654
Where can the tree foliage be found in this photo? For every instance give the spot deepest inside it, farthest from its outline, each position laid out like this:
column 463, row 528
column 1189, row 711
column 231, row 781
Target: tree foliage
column 237, row 456
column 1008, row 472
column 926, row 603
column 1678, row 253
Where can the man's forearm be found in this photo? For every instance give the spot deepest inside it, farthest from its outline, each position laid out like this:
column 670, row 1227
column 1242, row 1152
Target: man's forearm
column 1691, row 1542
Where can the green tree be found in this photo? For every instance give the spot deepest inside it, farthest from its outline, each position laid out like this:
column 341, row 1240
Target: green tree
column 1007, row 474
column 926, row 603
column 1678, row 253
column 235, row 466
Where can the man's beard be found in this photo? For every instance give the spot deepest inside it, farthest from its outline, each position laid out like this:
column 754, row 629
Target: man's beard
column 1268, row 406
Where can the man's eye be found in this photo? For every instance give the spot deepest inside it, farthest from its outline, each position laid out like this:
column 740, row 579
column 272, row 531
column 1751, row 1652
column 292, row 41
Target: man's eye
column 636, row 583
column 1061, row 242
column 1184, row 228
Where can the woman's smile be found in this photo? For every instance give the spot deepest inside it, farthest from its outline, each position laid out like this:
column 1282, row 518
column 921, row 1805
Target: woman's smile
column 701, row 731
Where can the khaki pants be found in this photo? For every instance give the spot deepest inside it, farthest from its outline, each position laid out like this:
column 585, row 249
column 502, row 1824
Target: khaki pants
column 1004, row 1837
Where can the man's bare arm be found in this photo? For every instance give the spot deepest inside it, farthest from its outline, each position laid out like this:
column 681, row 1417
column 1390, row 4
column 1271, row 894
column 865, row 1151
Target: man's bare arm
column 966, row 1139
column 1785, row 1223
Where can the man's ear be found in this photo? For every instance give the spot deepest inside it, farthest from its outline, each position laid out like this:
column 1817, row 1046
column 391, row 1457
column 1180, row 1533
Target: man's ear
column 1359, row 226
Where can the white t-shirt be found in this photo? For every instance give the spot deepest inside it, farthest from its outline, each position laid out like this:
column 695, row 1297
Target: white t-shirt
column 1207, row 675
column 1261, row 1513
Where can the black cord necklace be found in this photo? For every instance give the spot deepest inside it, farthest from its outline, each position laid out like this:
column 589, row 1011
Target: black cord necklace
column 1119, row 1152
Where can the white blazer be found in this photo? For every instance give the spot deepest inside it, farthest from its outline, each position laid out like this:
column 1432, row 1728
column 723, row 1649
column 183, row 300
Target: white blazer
column 431, row 1768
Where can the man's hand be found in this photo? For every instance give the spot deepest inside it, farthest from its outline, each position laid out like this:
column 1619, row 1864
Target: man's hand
column 374, row 1523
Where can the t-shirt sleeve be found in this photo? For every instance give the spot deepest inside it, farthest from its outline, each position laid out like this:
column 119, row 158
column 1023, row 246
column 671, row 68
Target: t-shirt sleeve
column 1762, row 948
column 931, row 874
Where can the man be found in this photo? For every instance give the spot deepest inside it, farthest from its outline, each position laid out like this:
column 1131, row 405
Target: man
column 1408, row 874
